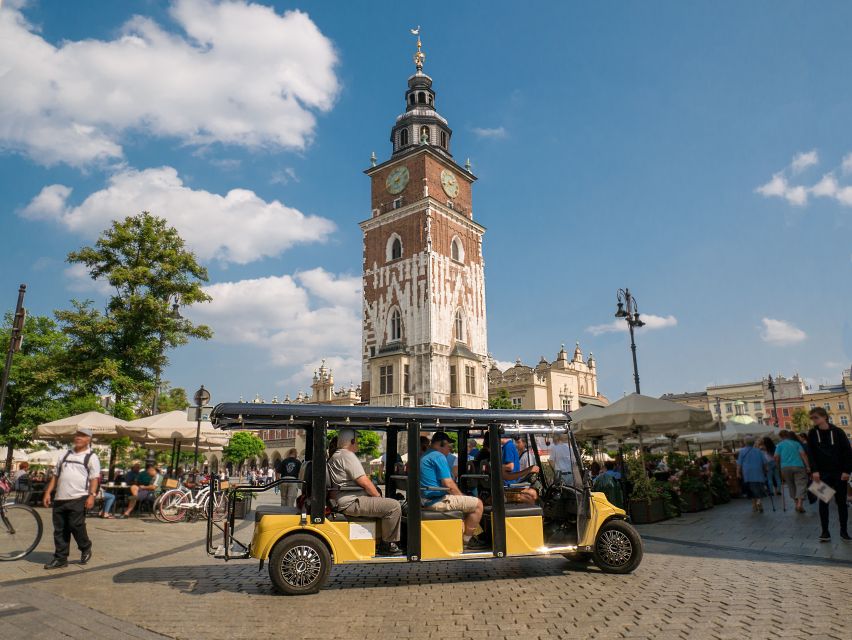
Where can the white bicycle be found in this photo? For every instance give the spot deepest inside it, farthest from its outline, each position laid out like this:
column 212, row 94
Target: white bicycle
column 180, row 504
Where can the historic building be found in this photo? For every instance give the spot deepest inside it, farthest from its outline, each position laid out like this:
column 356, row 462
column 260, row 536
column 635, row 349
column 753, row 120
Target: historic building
column 424, row 339
column 565, row 384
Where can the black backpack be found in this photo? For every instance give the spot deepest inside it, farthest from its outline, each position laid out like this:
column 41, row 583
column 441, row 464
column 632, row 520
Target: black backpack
column 85, row 462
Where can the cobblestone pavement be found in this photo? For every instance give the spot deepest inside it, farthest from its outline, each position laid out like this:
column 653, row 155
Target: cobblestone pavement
column 723, row 573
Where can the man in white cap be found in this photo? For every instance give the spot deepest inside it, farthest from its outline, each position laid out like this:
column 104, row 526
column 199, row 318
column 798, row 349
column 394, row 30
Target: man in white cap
column 359, row 496
column 76, row 482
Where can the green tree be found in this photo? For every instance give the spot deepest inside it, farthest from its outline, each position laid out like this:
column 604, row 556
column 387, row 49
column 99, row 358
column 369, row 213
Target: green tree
column 501, row 401
column 170, row 400
column 124, row 349
column 243, row 445
column 801, row 421
column 35, row 391
column 369, row 442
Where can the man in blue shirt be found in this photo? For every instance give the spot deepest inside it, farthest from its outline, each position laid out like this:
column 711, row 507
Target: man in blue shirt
column 512, row 472
column 751, row 469
column 440, row 493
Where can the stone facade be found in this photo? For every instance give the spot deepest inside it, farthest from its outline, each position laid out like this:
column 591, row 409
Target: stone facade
column 564, row 384
column 424, row 339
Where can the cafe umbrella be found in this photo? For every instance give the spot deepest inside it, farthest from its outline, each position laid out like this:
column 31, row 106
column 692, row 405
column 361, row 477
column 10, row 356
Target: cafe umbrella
column 103, row 426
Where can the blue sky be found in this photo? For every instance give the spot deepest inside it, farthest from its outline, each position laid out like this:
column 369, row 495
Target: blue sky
column 697, row 153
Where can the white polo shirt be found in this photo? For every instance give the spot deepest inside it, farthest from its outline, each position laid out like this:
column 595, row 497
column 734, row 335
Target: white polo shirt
column 74, row 478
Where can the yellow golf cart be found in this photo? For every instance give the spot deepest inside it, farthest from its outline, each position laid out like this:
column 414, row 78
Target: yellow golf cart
column 301, row 543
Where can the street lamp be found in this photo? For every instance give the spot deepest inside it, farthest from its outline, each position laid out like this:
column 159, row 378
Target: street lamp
column 771, row 387
column 629, row 310
column 174, row 314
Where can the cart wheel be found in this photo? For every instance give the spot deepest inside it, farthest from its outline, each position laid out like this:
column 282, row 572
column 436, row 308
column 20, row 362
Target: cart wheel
column 299, row 564
column 618, row 547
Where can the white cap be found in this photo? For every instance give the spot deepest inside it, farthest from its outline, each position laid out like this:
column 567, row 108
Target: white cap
column 345, row 437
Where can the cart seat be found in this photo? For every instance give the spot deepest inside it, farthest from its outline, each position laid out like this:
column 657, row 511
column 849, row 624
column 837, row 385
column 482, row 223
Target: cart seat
column 428, row 514
column 516, row 510
column 274, row 510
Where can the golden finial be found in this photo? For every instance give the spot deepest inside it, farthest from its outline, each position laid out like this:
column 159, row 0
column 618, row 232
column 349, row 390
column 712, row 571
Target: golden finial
column 419, row 57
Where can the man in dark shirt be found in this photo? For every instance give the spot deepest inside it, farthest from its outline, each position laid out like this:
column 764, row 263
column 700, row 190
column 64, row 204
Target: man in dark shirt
column 289, row 468
column 831, row 462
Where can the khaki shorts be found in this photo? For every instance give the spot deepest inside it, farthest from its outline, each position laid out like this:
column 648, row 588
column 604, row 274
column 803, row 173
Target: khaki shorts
column 465, row 504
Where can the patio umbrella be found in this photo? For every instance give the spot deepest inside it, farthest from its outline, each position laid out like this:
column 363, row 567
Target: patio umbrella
column 17, row 455
column 48, row 457
column 731, row 432
column 173, row 426
column 580, row 419
column 102, row 425
column 643, row 415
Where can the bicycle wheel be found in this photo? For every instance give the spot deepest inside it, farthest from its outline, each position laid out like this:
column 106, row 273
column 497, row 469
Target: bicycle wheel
column 171, row 506
column 20, row 531
column 220, row 506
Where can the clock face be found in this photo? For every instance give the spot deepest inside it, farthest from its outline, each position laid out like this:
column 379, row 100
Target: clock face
column 449, row 183
column 397, row 179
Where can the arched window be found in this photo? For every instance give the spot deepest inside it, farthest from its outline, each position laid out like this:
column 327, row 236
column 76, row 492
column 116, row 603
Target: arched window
column 411, row 99
column 421, row 98
column 403, row 137
column 456, row 250
column 395, row 326
column 444, row 139
column 424, row 135
column 459, row 326
column 393, row 251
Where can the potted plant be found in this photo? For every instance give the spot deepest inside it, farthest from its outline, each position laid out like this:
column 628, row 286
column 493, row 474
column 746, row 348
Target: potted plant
column 242, row 504
column 719, row 488
column 694, row 493
column 646, row 500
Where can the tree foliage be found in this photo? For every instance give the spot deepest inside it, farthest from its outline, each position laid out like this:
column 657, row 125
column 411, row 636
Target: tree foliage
column 800, row 420
column 369, row 442
column 124, row 349
column 171, row 399
column 243, row 445
column 501, row 401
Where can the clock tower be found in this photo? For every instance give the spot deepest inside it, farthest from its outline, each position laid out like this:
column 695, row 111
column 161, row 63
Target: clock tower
column 424, row 333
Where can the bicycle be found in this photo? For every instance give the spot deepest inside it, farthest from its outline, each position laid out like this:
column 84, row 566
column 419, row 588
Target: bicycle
column 190, row 504
column 20, row 526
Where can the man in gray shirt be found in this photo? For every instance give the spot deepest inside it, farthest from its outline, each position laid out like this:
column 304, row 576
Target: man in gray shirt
column 354, row 494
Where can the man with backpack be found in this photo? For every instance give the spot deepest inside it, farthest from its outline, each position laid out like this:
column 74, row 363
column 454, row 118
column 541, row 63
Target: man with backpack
column 76, row 484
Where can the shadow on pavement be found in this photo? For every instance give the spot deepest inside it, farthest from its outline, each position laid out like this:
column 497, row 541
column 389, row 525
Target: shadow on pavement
column 205, row 579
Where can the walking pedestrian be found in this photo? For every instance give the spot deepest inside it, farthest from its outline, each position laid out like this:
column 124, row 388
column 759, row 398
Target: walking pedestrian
column 773, row 475
column 751, row 470
column 289, row 468
column 76, row 484
column 790, row 456
column 831, row 463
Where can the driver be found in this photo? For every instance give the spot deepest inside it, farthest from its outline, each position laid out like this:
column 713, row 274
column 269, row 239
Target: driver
column 512, row 472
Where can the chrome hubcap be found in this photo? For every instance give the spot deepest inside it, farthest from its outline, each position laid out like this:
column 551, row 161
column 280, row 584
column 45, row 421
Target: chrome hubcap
column 300, row 566
column 614, row 546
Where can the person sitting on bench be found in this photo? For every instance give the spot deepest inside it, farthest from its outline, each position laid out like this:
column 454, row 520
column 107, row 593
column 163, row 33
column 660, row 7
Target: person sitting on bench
column 352, row 493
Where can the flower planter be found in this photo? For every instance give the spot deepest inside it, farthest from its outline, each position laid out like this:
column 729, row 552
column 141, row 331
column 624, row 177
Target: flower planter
column 692, row 502
column 644, row 512
column 242, row 507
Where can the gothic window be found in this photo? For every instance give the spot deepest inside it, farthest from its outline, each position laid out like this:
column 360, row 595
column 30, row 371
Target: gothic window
column 453, row 382
column 393, row 251
column 459, row 326
column 403, row 137
column 456, row 250
column 395, row 326
column 444, row 139
column 470, row 379
column 386, row 379
column 406, row 379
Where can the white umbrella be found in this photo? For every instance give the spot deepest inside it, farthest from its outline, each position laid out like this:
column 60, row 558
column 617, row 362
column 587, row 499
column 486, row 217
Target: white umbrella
column 645, row 415
column 49, row 457
column 731, row 431
column 17, row 455
column 579, row 422
column 102, row 425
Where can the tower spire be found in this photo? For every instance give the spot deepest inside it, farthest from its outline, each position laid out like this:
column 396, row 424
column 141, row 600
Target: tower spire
column 419, row 56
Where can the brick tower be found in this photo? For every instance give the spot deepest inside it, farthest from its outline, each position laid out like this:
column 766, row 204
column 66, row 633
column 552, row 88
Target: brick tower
column 424, row 332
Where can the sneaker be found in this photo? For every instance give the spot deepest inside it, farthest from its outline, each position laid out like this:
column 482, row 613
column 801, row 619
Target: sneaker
column 845, row 536
column 388, row 549
column 475, row 544
column 824, row 537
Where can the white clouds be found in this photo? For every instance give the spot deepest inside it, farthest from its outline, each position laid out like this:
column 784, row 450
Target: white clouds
column 238, row 227
column 651, row 321
column 803, row 160
column 495, row 133
column 781, row 333
column 238, row 74
column 292, row 321
column 779, row 186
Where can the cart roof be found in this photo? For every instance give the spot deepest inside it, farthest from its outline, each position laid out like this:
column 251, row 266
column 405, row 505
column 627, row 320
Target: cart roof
column 242, row 415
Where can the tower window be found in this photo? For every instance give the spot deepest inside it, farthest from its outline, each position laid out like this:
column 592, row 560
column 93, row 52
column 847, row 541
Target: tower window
column 456, row 252
column 411, row 99
column 453, row 383
column 393, row 249
column 459, row 322
column 406, row 379
column 386, row 379
column 424, row 135
column 395, row 326
column 403, row 137
column 444, row 139
column 421, row 98
column 470, row 380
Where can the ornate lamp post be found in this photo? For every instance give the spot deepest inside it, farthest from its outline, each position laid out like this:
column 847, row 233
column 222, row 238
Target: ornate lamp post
column 629, row 310
column 771, row 386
